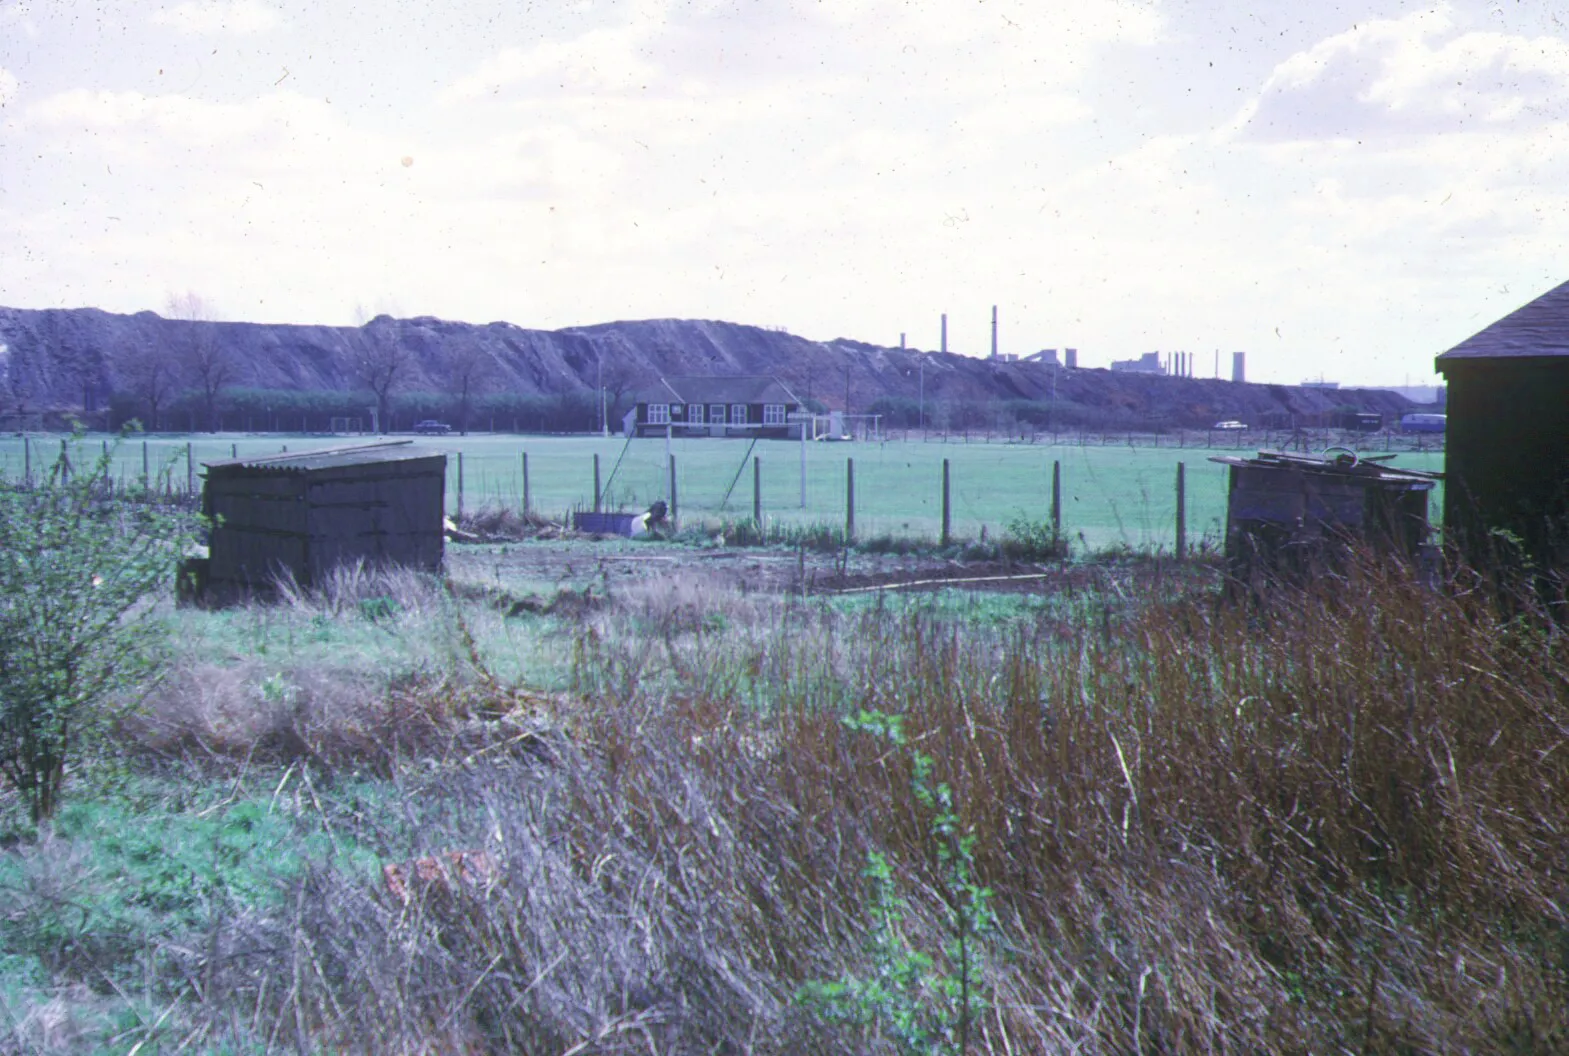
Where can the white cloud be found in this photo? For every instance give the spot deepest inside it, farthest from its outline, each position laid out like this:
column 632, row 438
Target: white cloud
column 8, row 86
column 239, row 17
column 1415, row 75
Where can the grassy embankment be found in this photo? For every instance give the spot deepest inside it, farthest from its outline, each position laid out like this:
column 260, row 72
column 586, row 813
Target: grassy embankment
column 1334, row 824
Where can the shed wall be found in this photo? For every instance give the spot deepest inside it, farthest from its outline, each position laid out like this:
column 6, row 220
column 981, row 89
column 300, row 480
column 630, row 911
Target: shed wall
column 1507, row 454
column 303, row 521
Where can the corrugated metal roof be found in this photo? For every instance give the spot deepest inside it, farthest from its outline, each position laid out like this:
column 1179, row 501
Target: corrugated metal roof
column 747, row 388
column 332, row 457
column 1540, row 328
column 1369, row 468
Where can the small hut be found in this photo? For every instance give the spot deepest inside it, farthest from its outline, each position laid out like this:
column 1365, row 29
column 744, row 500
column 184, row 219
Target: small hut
column 1506, row 455
column 1288, row 515
column 303, row 514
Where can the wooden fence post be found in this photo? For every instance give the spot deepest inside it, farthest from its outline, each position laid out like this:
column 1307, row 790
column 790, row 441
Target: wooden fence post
column 1056, row 501
column 234, row 451
column 757, row 492
column 849, row 500
column 596, row 481
column 524, row 456
column 65, row 464
column 947, row 522
column 460, row 485
column 27, row 461
column 146, row 472
column 1182, row 511
column 190, row 470
column 672, row 489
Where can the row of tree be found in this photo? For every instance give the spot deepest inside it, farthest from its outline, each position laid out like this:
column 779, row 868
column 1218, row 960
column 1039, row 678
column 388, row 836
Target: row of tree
column 200, row 383
column 250, row 409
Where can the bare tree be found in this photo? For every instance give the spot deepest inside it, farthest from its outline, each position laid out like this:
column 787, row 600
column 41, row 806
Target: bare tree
column 381, row 362
column 470, row 371
column 620, row 378
column 205, row 360
column 153, row 379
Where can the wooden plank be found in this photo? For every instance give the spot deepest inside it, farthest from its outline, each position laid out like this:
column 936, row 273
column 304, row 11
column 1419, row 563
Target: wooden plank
column 276, row 485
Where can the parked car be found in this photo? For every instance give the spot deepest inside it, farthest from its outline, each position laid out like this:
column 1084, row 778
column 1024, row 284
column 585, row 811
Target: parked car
column 431, row 427
column 1229, row 424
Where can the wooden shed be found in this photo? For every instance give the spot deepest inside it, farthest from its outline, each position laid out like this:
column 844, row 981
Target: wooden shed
column 303, row 514
column 1506, row 456
column 1288, row 515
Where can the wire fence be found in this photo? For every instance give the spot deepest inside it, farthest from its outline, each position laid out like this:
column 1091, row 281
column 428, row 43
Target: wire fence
column 1111, row 489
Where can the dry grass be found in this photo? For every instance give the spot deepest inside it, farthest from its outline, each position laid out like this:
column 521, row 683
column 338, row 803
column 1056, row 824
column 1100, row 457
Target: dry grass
column 1332, row 823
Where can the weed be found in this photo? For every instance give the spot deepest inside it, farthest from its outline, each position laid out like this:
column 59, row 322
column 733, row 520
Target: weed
column 922, row 1009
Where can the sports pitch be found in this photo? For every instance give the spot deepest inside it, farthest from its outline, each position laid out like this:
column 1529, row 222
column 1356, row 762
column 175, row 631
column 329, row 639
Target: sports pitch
column 1112, row 494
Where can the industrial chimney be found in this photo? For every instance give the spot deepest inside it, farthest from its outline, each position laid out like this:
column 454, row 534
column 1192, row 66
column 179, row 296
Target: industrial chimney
column 1239, row 366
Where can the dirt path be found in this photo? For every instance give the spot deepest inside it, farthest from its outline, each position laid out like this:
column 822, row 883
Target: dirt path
column 550, row 566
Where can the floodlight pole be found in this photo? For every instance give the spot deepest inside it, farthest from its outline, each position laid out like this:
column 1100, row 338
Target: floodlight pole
column 599, row 383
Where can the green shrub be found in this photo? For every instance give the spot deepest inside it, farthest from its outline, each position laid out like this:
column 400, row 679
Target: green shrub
column 922, row 1008
column 78, row 572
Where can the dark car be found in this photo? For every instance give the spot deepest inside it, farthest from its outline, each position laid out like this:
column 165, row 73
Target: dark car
column 431, row 427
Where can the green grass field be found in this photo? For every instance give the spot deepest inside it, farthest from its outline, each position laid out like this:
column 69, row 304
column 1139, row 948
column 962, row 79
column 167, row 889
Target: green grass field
column 1112, row 495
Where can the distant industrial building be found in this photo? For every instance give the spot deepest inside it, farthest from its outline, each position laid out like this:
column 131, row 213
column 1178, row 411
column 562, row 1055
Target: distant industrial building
column 1148, row 363
column 1239, row 366
column 1173, row 364
column 1507, row 450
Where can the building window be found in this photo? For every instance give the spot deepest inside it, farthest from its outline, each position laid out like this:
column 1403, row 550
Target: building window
column 773, row 414
column 716, row 413
column 738, row 414
column 697, row 414
column 675, row 410
column 658, row 414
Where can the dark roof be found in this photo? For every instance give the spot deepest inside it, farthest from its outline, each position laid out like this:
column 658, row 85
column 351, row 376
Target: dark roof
column 1541, row 328
column 747, row 388
column 330, row 458
column 1350, row 466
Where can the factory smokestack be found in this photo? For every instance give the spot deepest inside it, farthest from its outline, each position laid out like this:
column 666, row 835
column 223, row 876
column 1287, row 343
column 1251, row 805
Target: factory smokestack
column 945, row 331
column 1239, row 363
column 994, row 331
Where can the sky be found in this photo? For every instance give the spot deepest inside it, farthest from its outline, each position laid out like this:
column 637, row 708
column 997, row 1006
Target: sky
column 1341, row 190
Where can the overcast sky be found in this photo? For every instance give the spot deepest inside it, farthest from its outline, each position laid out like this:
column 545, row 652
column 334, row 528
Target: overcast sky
column 1341, row 190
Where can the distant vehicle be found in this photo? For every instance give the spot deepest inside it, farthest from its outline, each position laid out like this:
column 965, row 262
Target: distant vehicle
column 1359, row 421
column 1423, row 423
column 431, row 427
column 1229, row 424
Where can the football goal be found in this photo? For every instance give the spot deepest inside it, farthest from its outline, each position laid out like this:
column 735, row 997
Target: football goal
column 347, row 426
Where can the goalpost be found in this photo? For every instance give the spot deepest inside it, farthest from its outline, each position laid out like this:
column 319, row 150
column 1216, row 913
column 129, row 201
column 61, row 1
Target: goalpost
column 347, row 426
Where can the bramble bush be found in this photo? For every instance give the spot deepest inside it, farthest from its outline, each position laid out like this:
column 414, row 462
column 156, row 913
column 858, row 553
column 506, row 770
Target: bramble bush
column 80, row 569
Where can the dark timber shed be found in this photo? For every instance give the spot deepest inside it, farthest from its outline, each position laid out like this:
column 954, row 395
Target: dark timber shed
column 303, row 514
column 1507, row 452
column 1290, row 516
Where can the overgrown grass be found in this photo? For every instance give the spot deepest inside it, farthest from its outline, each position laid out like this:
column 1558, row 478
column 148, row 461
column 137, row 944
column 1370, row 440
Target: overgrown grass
column 1329, row 822
column 1024, row 540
